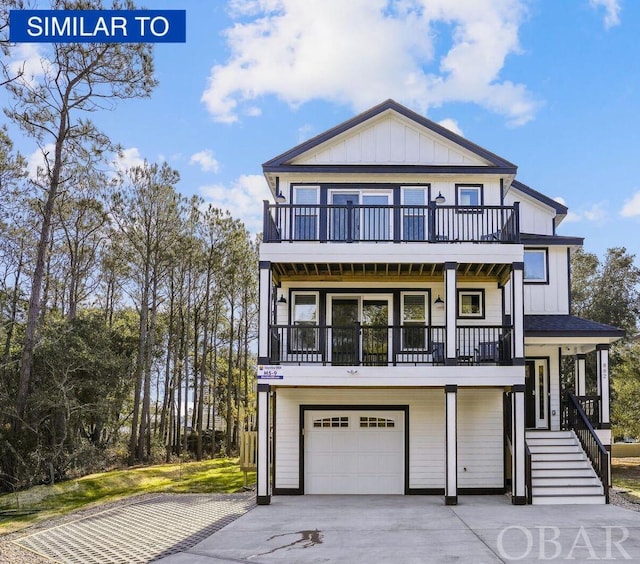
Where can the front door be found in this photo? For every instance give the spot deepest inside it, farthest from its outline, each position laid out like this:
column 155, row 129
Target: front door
column 360, row 331
column 536, row 394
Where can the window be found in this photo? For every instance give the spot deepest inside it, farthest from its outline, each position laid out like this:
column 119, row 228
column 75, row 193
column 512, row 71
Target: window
column 414, row 321
column 304, row 335
column 471, row 303
column 376, row 422
column 331, row 422
column 414, row 213
column 305, row 218
column 468, row 195
column 535, row 266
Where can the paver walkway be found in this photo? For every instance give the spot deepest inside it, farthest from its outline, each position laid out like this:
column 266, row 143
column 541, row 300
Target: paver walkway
column 141, row 531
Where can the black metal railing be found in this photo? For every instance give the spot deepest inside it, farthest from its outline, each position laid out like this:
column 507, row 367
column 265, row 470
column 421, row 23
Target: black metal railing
column 590, row 406
column 382, row 345
column 484, row 344
column 576, row 419
column 351, row 223
column 528, row 474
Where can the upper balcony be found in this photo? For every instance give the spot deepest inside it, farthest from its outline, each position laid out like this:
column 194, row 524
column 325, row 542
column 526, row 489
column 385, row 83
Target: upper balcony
column 354, row 223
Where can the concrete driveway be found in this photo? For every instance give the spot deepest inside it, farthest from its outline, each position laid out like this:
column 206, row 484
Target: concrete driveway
column 408, row 529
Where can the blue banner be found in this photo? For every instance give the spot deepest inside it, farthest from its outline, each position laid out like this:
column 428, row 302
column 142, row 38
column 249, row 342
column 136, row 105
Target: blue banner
column 97, row 26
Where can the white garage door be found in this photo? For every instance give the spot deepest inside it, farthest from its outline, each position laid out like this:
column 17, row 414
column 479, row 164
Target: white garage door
column 354, row 452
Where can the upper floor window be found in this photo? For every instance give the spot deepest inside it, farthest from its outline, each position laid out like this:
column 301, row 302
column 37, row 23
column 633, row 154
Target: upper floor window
column 536, row 266
column 414, row 213
column 305, row 218
column 469, row 194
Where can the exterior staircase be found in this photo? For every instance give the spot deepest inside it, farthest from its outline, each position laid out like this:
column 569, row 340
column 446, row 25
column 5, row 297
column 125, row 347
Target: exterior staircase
column 561, row 473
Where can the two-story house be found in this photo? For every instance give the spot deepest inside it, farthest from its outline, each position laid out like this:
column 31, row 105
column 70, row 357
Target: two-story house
column 414, row 315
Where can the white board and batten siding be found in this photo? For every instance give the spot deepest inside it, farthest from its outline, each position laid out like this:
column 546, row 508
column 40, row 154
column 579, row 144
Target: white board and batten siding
column 480, row 433
column 551, row 298
column 535, row 217
column 389, row 138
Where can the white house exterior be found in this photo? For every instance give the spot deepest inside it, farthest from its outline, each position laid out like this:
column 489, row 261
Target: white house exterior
column 414, row 312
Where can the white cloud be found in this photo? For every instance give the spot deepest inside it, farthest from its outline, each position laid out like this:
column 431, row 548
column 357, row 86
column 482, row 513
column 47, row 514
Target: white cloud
column 451, row 125
column 36, row 163
column 631, row 207
column 128, row 158
column 597, row 213
column 241, row 199
column 362, row 52
column 27, row 61
column 305, row 132
column 206, row 160
column 611, row 11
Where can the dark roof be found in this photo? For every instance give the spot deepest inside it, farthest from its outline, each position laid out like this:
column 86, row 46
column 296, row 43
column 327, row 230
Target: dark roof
column 567, row 325
column 282, row 160
column 535, row 239
column 560, row 209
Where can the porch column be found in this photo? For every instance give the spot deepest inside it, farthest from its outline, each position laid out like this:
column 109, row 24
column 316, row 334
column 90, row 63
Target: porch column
column 263, row 493
column 450, row 268
column 265, row 285
column 518, row 485
column 580, row 371
column 451, row 445
column 602, row 355
column 517, row 314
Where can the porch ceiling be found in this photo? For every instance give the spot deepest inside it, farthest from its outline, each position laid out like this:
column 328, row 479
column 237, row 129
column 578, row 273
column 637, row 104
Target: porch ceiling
column 351, row 270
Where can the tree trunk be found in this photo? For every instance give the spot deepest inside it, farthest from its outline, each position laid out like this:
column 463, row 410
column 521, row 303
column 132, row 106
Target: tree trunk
column 38, row 273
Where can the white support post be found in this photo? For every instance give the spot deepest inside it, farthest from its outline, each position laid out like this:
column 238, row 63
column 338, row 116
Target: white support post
column 581, row 371
column 518, row 482
column 451, row 445
column 265, row 283
column 450, row 268
column 263, row 487
column 517, row 315
column 602, row 352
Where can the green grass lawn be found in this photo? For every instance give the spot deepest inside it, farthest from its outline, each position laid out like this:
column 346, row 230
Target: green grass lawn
column 25, row 508
column 625, row 474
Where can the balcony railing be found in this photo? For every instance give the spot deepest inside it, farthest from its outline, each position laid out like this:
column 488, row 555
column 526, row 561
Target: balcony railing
column 351, row 223
column 384, row 345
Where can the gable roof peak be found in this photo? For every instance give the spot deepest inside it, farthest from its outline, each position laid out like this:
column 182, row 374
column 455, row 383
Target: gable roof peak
column 393, row 105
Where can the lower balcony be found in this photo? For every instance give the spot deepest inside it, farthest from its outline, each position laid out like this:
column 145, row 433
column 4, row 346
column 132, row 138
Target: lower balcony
column 387, row 345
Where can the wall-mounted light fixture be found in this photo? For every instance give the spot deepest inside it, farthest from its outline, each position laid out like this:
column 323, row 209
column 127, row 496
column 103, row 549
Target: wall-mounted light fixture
column 282, row 299
column 280, row 197
column 440, row 199
column 439, row 302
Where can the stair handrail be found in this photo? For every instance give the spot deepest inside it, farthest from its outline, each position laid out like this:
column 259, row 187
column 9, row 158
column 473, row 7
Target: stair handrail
column 578, row 421
column 528, row 474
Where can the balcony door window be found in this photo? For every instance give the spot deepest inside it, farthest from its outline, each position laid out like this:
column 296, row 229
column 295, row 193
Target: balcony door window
column 360, row 215
column 376, row 224
column 414, row 214
column 359, row 330
column 304, row 333
column 344, row 220
column 305, row 214
column 414, row 321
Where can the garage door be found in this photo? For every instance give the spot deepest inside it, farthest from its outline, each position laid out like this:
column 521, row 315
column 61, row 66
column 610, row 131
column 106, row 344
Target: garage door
column 354, row 452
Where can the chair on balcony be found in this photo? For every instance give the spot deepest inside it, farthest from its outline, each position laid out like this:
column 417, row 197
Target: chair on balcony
column 437, row 353
column 488, row 352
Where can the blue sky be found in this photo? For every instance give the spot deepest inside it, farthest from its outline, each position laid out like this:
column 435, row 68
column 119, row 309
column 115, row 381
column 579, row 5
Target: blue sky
column 552, row 86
